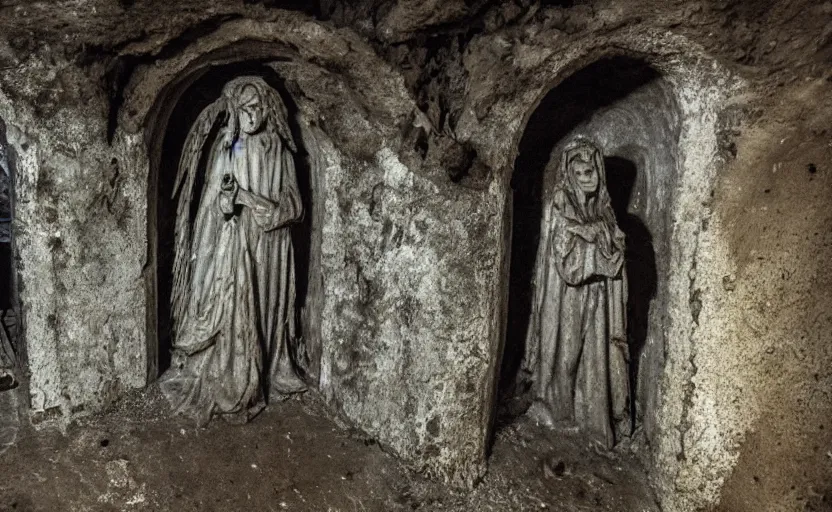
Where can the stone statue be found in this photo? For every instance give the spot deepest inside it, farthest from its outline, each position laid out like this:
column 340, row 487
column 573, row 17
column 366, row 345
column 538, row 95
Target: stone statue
column 233, row 299
column 576, row 350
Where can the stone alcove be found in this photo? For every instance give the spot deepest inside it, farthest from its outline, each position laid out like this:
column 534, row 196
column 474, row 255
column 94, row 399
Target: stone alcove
column 325, row 109
column 629, row 110
column 684, row 95
column 10, row 339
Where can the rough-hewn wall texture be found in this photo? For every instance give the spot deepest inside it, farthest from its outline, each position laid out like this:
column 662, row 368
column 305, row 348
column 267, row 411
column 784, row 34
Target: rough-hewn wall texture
column 78, row 230
column 764, row 341
column 416, row 215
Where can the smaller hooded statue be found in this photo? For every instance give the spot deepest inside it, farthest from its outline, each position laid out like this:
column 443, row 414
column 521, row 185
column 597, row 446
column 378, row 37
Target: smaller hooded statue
column 577, row 352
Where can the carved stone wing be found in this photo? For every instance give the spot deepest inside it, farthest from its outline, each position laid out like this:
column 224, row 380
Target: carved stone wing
column 192, row 152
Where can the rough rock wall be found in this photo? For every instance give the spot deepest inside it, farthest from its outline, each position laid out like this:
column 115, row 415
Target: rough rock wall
column 77, row 229
column 764, row 378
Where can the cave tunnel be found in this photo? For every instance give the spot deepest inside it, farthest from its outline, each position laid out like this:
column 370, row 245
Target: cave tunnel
column 627, row 108
column 429, row 137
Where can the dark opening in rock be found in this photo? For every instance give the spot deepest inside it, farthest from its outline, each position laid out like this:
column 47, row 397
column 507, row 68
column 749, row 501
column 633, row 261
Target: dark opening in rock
column 627, row 109
column 8, row 289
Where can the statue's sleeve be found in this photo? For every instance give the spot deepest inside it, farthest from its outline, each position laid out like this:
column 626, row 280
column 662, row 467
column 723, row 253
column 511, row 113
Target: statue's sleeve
column 617, row 306
column 286, row 208
column 578, row 260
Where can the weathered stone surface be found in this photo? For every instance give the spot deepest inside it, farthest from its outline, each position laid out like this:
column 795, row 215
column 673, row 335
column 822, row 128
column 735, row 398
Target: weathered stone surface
column 76, row 231
column 761, row 395
column 9, row 419
column 411, row 315
column 409, row 16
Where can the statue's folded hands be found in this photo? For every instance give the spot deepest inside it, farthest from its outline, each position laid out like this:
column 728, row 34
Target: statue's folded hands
column 268, row 214
column 228, row 194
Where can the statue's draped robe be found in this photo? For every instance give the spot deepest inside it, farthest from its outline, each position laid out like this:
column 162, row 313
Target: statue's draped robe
column 240, row 313
column 576, row 348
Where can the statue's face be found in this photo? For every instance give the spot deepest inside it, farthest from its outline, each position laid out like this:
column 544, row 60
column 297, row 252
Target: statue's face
column 586, row 175
column 251, row 111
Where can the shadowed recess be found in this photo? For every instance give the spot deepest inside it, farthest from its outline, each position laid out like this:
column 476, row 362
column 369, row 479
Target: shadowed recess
column 10, row 349
column 568, row 106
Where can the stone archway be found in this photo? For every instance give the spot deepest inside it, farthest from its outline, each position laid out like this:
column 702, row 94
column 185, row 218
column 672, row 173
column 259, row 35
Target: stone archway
column 385, row 246
column 700, row 89
column 297, row 58
column 629, row 110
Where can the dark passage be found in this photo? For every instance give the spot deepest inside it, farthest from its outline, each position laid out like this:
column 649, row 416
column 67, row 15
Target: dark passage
column 562, row 110
column 8, row 291
column 640, row 260
column 199, row 95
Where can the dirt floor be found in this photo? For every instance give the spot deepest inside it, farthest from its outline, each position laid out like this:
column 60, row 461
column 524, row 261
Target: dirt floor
column 291, row 457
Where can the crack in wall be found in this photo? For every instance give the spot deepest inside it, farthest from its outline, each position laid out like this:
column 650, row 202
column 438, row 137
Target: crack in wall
column 689, row 388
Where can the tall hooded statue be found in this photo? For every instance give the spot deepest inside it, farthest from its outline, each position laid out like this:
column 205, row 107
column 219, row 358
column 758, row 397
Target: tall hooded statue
column 576, row 352
column 233, row 295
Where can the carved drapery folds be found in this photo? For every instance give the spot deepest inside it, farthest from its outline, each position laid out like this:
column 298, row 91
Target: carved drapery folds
column 233, row 300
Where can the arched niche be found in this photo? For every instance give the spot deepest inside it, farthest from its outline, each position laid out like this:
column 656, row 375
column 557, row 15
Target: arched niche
column 174, row 115
column 341, row 113
column 630, row 111
column 306, row 62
